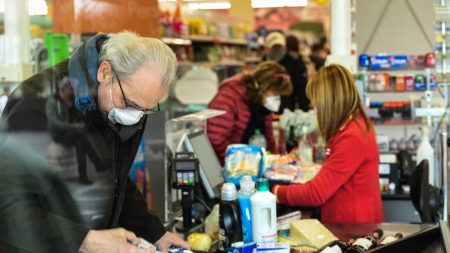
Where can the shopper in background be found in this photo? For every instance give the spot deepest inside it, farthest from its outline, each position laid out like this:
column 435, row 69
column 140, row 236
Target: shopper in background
column 116, row 79
column 249, row 100
column 275, row 45
column 285, row 51
column 295, row 67
column 319, row 54
column 347, row 186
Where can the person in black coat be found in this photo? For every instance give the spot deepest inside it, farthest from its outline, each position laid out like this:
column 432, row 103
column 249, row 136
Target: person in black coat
column 294, row 65
column 116, row 80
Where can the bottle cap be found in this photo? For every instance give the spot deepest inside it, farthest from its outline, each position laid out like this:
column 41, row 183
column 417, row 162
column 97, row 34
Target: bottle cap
column 378, row 233
column 247, row 184
column 262, row 184
column 257, row 131
column 229, row 192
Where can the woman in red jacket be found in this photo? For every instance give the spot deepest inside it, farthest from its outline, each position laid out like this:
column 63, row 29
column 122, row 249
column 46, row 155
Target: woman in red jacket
column 249, row 100
column 347, row 186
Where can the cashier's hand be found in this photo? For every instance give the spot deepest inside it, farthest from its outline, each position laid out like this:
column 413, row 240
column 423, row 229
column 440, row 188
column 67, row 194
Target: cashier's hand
column 112, row 240
column 170, row 239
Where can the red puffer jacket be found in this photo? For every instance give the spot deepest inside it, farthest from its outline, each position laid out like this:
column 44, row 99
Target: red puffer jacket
column 229, row 128
column 347, row 186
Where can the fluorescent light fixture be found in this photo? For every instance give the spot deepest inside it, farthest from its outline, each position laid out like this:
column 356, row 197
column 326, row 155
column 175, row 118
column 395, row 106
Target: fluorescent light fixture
column 278, row 3
column 35, row 7
column 209, row 6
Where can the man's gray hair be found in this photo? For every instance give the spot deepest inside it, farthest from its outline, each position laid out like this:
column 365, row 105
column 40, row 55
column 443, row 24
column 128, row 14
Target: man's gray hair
column 127, row 52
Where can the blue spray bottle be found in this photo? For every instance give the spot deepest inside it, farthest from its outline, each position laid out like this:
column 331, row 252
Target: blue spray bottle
column 244, row 194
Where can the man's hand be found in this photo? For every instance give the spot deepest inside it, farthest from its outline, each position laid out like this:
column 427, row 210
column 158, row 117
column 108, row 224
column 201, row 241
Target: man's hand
column 170, row 239
column 112, row 240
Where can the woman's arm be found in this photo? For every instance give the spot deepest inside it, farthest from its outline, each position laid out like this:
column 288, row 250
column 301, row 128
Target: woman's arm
column 344, row 159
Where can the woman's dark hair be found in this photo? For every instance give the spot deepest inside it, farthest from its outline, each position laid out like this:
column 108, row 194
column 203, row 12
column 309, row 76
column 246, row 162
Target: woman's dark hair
column 267, row 76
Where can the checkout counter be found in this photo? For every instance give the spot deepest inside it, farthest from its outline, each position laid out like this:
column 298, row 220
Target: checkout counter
column 188, row 136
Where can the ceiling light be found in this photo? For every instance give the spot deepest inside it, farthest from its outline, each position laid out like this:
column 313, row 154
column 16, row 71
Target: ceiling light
column 278, row 3
column 209, row 6
column 35, row 7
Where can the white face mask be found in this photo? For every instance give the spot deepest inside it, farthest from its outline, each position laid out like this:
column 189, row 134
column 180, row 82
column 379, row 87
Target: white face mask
column 273, row 103
column 123, row 116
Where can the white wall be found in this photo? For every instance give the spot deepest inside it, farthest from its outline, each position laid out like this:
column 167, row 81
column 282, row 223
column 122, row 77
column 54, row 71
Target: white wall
column 398, row 31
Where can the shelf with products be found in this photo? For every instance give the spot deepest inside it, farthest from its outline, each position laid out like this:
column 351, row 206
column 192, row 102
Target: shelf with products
column 187, row 41
column 397, row 73
column 213, row 64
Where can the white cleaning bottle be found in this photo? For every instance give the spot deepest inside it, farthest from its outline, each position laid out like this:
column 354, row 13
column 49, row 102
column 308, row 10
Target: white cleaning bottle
column 264, row 213
column 426, row 151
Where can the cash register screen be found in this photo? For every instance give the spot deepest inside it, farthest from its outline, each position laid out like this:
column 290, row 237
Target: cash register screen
column 210, row 169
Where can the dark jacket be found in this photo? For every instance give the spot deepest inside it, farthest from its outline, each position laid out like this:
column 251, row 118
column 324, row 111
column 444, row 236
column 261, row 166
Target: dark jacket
column 296, row 69
column 122, row 204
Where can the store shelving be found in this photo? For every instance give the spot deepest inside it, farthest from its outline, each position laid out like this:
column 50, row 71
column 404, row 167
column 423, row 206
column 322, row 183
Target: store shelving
column 177, row 41
column 402, row 72
column 201, row 38
column 212, row 64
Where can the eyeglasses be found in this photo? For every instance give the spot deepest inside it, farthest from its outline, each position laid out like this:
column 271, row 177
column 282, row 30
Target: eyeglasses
column 145, row 111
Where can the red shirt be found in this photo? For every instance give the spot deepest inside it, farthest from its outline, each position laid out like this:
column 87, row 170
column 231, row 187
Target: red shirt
column 229, row 128
column 347, row 186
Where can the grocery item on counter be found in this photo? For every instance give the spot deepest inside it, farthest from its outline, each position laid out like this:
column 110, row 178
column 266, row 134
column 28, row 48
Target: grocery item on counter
column 366, row 243
column 176, row 250
column 291, row 142
column 230, row 226
column 274, row 247
column 240, row 247
column 283, row 172
column 199, row 241
column 243, row 160
column 311, row 232
column 389, row 239
column 305, row 148
column 258, row 139
column 299, row 119
column 244, row 194
column 264, row 213
column 337, row 246
column 284, row 222
column 212, row 223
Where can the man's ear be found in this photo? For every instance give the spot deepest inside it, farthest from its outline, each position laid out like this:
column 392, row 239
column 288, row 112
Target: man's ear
column 104, row 72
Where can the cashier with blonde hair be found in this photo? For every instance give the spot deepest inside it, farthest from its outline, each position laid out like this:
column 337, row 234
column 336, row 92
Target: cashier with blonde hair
column 347, row 186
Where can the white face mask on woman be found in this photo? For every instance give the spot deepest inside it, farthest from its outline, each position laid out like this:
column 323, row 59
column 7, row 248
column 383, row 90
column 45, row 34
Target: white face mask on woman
column 272, row 103
column 123, row 116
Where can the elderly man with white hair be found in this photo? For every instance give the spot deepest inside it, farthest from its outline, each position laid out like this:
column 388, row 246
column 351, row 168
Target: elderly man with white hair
column 115, row 80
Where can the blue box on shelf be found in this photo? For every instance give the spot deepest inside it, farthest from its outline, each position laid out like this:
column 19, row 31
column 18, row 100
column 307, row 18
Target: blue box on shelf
column 385, row 62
